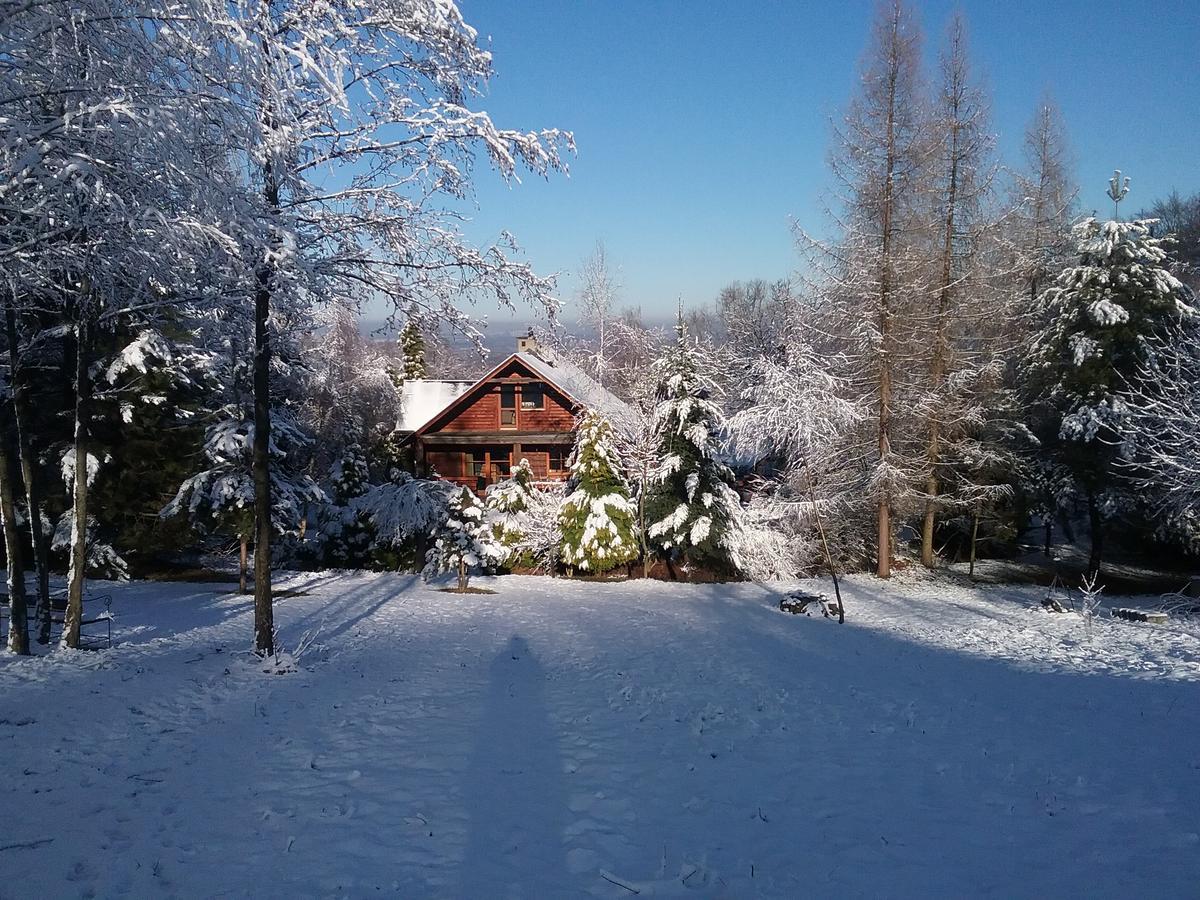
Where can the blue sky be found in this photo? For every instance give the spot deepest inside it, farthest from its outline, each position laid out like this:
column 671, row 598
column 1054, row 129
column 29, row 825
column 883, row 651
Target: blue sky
column 703, row 128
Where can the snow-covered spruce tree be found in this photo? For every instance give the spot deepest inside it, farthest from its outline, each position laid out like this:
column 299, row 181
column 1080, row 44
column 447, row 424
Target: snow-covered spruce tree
column 691, row 506
column 466, row 541
column 512, row 502
column 597, row 518
column 221, row 496
column 412, row 352
column 346, row 534
column 1097, row 329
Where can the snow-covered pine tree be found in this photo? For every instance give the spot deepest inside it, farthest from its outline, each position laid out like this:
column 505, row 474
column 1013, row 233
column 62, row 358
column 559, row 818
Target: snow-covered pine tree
column 1098, row 327
column 511, row 503
column 412, row 352
column 346, row 531
column 221, row 496
column 465, row 542
column 597, row 518
column 691, row 505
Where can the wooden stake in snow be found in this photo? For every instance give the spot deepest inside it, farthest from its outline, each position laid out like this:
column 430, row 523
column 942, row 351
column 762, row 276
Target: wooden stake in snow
column 837, row 590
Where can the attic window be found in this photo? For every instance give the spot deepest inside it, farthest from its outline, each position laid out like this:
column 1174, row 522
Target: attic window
column 508, row 406
column 532, row 397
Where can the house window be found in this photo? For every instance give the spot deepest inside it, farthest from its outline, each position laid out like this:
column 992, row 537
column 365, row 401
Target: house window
column 558, row 459
column 478, row 464
column 508, row 406
column 532, row 397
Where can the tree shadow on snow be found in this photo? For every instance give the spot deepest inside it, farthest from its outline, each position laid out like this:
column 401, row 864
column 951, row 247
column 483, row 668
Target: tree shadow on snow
column 513, row 788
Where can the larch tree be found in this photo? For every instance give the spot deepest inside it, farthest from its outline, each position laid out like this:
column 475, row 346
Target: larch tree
column 873, row 274
column 1044, row 196
column 963, row 345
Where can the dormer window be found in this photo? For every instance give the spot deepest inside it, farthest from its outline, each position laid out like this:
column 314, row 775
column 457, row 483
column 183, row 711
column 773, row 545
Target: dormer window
column 532, row 396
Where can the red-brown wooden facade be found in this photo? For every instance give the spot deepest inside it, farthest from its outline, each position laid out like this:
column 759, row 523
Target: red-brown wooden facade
column 512, row 413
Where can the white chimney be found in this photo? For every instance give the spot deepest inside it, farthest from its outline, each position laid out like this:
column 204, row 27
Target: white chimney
column 528, row 343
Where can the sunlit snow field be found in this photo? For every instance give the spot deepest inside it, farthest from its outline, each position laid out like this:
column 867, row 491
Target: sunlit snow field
column 566, row 739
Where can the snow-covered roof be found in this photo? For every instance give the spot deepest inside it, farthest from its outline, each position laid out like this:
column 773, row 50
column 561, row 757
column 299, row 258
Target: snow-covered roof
column 422, row 399
column 581, row 387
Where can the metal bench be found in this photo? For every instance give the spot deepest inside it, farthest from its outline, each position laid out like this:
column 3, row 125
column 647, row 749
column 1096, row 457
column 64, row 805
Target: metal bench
column 88, row 640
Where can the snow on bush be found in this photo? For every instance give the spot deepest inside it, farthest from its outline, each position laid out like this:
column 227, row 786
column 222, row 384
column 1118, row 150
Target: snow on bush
column 514, row 505
column 403, row 513
column 466, row 541
column 103, row 561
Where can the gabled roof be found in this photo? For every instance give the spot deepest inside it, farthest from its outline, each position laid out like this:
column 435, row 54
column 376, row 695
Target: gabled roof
column 566, row 377
column 580, row 387
column 421, row 400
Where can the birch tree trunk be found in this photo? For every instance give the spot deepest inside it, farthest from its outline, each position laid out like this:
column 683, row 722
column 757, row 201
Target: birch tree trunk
column 18, row 625
column 83, row 395
column 30, row 477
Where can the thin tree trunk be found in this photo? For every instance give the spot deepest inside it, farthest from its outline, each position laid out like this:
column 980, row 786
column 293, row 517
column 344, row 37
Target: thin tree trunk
column 887, row 211
column 73, row 617
column 30, row 476
column 837, row 589
column 243, row 557
column 463, row 578
column 18, row 624
column 974, row 538
column 1096, row 521
column 938, row 361
column 642, row 519
column 1049, row 526
column 264, row 615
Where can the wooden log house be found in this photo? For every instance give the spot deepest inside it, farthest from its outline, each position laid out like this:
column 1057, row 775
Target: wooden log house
column 472, row 433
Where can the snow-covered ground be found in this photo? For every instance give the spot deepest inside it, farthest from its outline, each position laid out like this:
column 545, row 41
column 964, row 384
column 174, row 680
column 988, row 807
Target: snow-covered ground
column 566, row 739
